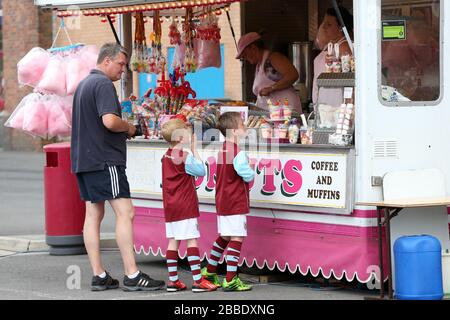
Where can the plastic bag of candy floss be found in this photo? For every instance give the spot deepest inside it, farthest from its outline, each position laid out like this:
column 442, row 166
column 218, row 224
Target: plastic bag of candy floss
column 89, row 55
column 180, row 56
column 76, row 70
column 67, row 107
column 31, row 67
column 207, row 53
column 15, row 121
column 57, row 121
column 35, row 119
column 54, row 78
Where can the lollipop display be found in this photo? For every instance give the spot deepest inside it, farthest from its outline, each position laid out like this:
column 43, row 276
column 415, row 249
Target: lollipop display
column 157, row 60
column 189, row 29
column 139, row 58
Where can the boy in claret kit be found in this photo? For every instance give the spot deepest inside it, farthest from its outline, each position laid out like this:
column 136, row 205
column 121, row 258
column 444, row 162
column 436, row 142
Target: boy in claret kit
column 181, row 203
column 232, row 203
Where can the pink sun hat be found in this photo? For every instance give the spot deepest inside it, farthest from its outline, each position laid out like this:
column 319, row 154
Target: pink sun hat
column 245, row 41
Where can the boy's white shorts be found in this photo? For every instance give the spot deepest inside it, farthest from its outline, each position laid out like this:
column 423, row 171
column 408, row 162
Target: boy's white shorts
column 183, row 230
column 232, row 226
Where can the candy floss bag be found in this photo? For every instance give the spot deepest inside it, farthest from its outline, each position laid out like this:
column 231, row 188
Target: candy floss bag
column 89, row 55
column 32, row 67
column 58, row 125
column 15, row 121
column 67, row 107
column 54, row 78
column 35, row 116
column 76, row 71
column 208, row 54
column 207, row 43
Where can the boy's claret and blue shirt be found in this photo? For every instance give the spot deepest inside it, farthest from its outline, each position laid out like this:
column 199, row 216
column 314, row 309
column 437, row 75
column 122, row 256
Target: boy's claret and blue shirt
column 233, row 176
column 179, row 169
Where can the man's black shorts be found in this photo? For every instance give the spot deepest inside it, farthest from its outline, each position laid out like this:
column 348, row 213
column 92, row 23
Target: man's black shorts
column 108, row 184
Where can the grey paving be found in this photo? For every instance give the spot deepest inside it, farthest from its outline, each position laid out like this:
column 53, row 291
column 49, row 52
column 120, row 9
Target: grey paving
column 41, row 276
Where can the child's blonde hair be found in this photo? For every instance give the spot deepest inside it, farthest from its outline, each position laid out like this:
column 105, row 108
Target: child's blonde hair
column 170, row 128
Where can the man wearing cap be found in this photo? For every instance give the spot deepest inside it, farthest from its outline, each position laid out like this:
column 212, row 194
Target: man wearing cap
column 275, row 74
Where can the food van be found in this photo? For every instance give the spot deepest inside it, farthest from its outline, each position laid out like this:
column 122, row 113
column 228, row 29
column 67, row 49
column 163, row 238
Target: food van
column 305, row 200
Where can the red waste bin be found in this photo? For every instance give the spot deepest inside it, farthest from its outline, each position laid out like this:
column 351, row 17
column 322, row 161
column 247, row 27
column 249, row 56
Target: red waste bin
column 64, row 209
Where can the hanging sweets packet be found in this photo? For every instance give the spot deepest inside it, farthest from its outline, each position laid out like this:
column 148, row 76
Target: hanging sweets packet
column 189, row 31
column 89, row 55
column 77, row 70
column 35, row 119
column 208, row 42
column 174, row 33
column 67, row 107
column 54, row 78
column 15, row 121
column 180, row 48
column 58, row 125
column 31, row 67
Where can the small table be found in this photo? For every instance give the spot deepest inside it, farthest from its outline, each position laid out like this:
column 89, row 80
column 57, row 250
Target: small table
column 391, row 210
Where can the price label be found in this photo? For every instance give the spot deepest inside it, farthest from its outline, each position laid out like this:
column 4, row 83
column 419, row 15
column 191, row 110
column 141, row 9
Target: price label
column 348, row 93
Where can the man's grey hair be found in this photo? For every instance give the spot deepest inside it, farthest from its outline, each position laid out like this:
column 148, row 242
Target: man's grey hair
column 110, row 50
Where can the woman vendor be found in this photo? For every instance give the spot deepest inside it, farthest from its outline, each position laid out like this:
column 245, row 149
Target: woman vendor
column 275, row 74
column 330, row 31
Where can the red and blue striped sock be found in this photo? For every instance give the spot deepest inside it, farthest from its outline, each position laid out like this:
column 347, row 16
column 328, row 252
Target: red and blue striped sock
column 233, row 253
column 172, row 264
column 218, row 248
column 194, row 263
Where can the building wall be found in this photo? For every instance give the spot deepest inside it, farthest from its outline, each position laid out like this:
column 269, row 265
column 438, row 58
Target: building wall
column 233, row 67
column 24, row 27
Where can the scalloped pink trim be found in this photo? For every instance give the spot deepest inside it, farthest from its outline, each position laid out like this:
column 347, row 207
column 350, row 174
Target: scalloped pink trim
column 310, row 248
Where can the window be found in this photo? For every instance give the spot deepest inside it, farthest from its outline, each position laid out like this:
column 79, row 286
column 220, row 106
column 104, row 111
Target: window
column 410, row 52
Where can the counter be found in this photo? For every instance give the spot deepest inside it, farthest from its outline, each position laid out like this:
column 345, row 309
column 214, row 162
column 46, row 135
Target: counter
column 313, row 178
column 301, row 216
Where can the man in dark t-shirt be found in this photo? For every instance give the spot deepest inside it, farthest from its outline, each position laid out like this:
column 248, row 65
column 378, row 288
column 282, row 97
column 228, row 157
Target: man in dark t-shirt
column 98, row 156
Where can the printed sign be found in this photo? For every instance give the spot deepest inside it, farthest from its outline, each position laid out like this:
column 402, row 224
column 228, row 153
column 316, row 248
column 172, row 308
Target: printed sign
column 317, row 180
column 394, row 30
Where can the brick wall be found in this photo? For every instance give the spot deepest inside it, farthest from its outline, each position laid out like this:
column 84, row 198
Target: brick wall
column 233, row 67
column 24, row 27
